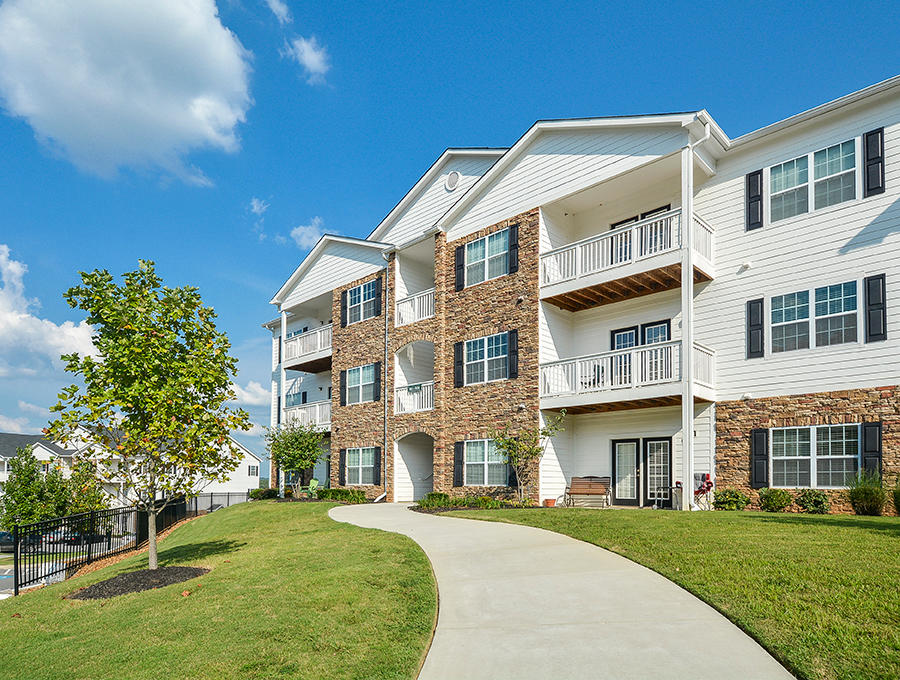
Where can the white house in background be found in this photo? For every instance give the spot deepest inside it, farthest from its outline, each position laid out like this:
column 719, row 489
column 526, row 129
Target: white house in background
column 243, row 479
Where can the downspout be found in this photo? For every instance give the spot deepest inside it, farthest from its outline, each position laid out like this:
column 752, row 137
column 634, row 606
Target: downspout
column 384, row 383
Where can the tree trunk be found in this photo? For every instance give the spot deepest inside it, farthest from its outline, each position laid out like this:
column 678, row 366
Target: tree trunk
column 152, row 557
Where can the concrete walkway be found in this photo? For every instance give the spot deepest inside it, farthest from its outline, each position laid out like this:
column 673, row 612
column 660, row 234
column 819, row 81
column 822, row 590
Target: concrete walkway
column 519, row 602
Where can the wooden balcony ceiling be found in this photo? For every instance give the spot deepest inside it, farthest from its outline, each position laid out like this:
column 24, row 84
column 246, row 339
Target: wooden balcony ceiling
column 307, row 366
column 644, row 283
column 674, row 400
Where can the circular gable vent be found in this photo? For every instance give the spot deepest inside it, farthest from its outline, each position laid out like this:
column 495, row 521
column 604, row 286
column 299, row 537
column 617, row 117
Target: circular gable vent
column 452, row 180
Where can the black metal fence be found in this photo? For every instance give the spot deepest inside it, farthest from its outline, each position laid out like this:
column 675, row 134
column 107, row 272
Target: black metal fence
column 208, row 502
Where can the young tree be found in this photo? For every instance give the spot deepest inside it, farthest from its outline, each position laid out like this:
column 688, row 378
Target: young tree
column 294, row 448
column 23, row 494
column 154, row 398
column 86, row 489
column 57, row 492
column 524, row 449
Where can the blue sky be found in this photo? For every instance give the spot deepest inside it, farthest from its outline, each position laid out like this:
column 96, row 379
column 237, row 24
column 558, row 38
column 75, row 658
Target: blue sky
column 148, row 133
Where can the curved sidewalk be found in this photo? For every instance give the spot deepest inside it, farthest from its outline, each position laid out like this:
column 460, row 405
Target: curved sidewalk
column 519, row 602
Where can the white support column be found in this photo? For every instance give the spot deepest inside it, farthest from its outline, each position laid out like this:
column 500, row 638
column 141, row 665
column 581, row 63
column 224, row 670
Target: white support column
column 687, row 327
column 282, row 390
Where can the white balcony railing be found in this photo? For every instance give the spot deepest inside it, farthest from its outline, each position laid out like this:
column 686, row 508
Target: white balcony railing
column 415, row 308
column 316, row 413
column 626, row 368
column 630, row 243
column 412, row 398
column 308, row 343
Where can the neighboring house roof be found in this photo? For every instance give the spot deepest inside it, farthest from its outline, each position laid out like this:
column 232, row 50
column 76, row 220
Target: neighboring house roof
column 10, row 443
column 245, row 449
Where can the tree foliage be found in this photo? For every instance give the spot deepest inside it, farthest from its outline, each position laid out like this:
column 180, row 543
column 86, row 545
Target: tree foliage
column 523, row 450
column 294, row 447
column 154, row 398
column 23, row 492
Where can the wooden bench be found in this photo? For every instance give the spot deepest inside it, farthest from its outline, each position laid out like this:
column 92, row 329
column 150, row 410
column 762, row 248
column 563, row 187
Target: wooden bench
column 589, row 491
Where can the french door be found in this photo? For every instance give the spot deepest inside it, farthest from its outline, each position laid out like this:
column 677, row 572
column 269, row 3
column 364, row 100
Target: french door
column 626, row 471
column 658, row 472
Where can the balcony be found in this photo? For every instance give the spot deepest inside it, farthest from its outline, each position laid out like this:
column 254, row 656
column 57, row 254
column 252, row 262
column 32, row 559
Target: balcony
column 414, row 398
column 316, row 413
column 638, row 377
column 636, row 259
column 310, row 351
column 414, row 308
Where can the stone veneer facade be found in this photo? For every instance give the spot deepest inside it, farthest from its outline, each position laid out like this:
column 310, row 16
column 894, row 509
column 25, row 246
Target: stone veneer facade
column 735, row 419
column 471, row 412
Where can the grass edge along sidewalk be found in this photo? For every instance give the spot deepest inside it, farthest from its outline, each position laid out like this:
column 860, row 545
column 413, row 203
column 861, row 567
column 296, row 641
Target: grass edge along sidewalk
column 821, row 593
column 291, row 594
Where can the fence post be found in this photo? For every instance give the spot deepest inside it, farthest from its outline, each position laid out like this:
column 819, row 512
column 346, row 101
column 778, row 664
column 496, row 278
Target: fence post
column 90, row 536
column 15, row 559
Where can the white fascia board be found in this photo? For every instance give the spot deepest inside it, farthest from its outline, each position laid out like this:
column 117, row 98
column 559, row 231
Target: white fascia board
column 426, row 180
column 244, row 448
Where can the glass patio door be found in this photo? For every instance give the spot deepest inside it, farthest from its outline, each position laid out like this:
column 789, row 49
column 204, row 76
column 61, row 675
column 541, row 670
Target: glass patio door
column 626, row 472
column 658, row 471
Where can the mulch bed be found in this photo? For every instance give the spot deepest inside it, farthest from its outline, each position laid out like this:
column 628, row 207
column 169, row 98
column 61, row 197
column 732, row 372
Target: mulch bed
column 136, row 581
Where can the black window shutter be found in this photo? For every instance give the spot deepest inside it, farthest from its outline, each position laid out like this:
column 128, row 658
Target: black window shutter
column 343, row 309
column 759, row 458
column 343, row 388
column 876, row 308
column 303, row 397
column 377, row 380
column 513, row 248
column 511, row 479
column 458, row 364
column 376, row 473
column 460, row 267
column 342, row 467
column 378, row 296
column 755, row 329
column 513, row 356
column 458, row 464
column 753, row 195
column 873, row 150
column 871, row 449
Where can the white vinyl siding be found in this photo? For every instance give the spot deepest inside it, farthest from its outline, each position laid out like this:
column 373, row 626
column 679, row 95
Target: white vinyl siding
column 338, row 264
column 824, row 456
column 484, row 464
column 486, row 359
column 360, row 464
column 361, row 302
column 361, row 384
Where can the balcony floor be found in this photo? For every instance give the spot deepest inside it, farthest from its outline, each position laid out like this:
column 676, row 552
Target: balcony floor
column 628, row 405
column 313, row 363
column 582, row 295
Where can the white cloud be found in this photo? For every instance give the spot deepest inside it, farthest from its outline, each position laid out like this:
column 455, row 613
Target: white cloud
column 25, row 407
column 22, row 332
column 312, row 56
column 255, row 430
column 280, row 10
column 15, row 425
column 307, row 235
column 122, row 84
column 258, row 206
column 254, row 394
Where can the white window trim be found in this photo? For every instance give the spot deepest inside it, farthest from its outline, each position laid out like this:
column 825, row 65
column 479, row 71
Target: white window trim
column 811, row 200
column 811, row 320
column 361, row 383
column 485, row 260
column 813, row 457
column 362, row 301
column 484, row 361
column 360, row 467
column 484, row 464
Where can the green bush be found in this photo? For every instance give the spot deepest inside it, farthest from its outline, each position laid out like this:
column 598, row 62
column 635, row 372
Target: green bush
column 774, row 500
column 487, row 503
column 263, row 494
column 730, row 499
column 896, row 494
column 341, row 495
column 813, row 501
column 434, row 500
column 867, row 494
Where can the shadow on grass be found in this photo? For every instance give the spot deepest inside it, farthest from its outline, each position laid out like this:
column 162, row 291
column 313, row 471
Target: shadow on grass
column 887, row 524
column 197, row 551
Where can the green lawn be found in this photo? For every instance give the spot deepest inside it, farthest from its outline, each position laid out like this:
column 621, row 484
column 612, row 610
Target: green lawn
column 822, row 593
column 291, row 594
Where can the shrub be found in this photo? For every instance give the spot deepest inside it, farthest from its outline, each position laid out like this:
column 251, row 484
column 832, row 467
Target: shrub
column 896, row 494
column 730, row 499
column 288, row 493
column 774, row 500
column 813, row 501
column 263, row 494
column 487, row 503
column 341, row 495
column 867, row 494
column 434, row 500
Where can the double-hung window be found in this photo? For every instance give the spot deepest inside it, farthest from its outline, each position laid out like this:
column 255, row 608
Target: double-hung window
column 361, row 302
column 487, row 258
column 833, row 179
column 790, row 321
column 484, row 464
column 361, row 384
column 836, row 314
column 835, row 311
column 487, row 359
column 253, row 470
column 824, row 456
column 361, row 465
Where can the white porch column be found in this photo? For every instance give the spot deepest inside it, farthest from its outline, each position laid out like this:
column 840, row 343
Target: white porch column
column 282, row 390
column 687, row 326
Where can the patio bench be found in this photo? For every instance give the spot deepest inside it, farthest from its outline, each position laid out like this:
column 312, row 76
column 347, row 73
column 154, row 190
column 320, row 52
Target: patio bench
column 588, row 491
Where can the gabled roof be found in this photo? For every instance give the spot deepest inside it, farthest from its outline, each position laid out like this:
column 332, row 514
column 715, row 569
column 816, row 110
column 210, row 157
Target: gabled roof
column 314, row 253
column 429, row 176
column 11, row 442
column 246, row 450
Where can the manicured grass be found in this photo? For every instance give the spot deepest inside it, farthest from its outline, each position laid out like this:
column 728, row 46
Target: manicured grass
column 822, row 593
column 291, row 594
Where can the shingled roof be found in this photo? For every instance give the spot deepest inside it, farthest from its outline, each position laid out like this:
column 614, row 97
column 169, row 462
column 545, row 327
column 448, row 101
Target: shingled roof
column 10, row 443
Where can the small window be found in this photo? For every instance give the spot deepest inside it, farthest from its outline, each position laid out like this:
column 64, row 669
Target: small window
column 361, row 302
column 790, row 325
column 655, row 332
column 45, row 467
column 484, row 464
column 361, row 466
column 253, row 470
column 361, row 384
column 487, row 258
column 789, row 189
column 836, row 314
column 487, row 359
column 835, row 174
column 625, row 338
